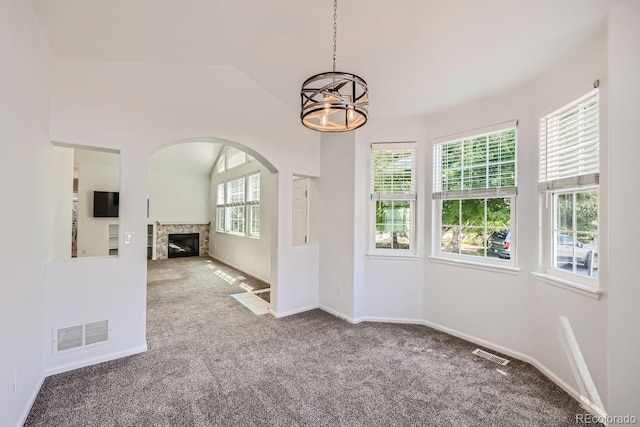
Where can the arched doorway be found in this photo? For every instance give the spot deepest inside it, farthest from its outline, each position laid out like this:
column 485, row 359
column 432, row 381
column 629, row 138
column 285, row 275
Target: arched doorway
column 218, row 195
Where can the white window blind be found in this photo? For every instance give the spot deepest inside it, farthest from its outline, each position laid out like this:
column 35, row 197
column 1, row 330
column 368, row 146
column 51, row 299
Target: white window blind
column 235, row 157
column 220, row 194
column 479, row 166
column 253, row 189
column 235, row 192
column 220, row 167
column 393, row 172
column 570, row 145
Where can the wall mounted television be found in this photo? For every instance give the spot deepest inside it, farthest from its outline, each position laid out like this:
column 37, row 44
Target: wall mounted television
column 106, row 204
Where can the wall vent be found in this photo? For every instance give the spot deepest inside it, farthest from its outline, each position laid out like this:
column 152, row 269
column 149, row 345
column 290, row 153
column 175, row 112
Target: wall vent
column 80, row 336
column 492, row 357
column 69, row 338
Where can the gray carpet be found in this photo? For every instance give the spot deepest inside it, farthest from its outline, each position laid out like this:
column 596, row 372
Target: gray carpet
column 211, row 362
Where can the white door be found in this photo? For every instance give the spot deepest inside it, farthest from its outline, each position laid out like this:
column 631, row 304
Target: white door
column 300, row 211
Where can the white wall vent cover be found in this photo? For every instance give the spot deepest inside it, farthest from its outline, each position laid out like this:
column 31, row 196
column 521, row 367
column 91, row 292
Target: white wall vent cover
column 69, row 338
column 80, row 336
column 492, row 357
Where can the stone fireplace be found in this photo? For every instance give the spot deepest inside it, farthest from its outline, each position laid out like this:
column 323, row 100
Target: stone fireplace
column 193, row 232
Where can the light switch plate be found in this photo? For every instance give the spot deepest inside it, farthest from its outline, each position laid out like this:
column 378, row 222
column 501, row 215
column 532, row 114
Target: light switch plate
column 128, row 237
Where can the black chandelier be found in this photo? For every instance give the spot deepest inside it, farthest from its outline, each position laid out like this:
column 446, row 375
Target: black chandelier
column 334, row 101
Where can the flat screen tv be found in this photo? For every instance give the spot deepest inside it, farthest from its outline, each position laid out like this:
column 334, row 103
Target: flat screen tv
column 106, row 204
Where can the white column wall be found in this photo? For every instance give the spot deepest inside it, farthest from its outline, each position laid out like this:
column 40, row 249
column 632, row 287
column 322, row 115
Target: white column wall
column 26, row 214
column 336, row 237
column 624, row 175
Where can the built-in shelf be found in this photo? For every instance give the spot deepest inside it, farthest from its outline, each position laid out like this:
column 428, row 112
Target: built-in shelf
column 150, row 241
column 113, row 239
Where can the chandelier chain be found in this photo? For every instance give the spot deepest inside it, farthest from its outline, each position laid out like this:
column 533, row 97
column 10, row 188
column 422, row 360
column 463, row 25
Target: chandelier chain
column 335, row 31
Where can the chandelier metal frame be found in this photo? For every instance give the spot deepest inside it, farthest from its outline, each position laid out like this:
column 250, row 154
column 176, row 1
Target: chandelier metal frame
column 334, row 101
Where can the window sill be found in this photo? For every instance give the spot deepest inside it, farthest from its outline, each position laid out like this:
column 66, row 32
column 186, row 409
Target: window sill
column 410, row 257
column 578, row 288
column 503, row 269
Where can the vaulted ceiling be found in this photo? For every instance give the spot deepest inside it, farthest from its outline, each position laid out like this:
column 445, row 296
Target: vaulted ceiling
column 418, row 56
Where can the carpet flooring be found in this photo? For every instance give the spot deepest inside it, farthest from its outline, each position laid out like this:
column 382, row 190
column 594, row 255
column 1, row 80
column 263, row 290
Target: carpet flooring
column 212, row 362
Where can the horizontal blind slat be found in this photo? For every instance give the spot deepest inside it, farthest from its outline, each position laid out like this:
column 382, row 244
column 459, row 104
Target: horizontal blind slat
column 569, row 141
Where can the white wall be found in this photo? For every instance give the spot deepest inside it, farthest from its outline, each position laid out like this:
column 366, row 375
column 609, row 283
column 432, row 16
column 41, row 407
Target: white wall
column 139, row 108
column 336, row 238
column 178, row 197
column 624, row 293
column 516, row 311
column 385, row 283
column 248, row 254
column 25, row 225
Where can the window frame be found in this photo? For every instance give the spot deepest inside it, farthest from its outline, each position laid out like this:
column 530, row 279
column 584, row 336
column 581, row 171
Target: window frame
column 441, row 194
column 550, row 188
column 234, row 202
column 220, row 207
column 410, row 197
column 252, row 201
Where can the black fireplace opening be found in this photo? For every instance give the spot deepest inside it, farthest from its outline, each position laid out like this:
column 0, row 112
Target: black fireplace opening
column 186, row 244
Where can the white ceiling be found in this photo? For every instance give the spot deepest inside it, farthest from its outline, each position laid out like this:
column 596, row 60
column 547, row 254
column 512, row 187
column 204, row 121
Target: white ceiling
column 417, row 56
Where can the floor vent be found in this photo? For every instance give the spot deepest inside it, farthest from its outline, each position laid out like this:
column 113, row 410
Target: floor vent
column 76, row 337
column 491, row 357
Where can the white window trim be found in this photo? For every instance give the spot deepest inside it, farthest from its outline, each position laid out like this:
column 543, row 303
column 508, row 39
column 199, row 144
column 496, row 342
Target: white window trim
column 378, row 253
column 245, row 205
column 548, row 274
column 569, row 285
column 228, row 221
column 505, row 269
column 489, row 263
column 548, row 271
column 437, row 254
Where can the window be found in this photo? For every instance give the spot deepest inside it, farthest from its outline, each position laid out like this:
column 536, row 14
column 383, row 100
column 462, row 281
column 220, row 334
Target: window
column 474, row 191
column 238, row 200
column 393, row 198
column 220, row 202
column 221, row 165
column 235, row 157
column 235, row 206
column 238, row 206
column 253, row 203
column 568, row 180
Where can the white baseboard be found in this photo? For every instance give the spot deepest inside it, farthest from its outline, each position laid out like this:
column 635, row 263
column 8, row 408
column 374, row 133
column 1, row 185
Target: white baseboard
column 294, row 311
column 267, row 281
column 388, row 320
column 95, row 360
column 337, row 314
column 583, row 401
column 31, row 401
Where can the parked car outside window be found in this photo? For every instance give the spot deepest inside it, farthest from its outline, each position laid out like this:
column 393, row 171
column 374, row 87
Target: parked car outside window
column 586, row 254
column 500, row 244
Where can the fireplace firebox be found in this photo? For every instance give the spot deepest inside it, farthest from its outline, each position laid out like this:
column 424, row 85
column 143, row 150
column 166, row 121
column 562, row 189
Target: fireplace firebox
column 186, row 244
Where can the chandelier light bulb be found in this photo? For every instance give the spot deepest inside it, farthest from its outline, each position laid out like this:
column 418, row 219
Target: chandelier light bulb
column 351, row 114
column 327, row 103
